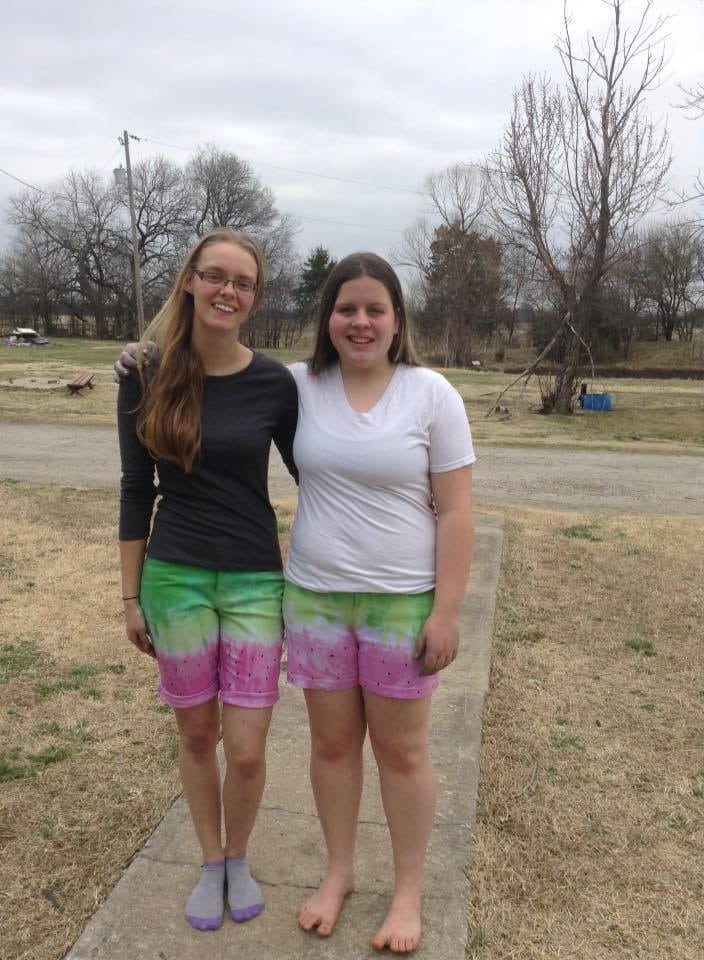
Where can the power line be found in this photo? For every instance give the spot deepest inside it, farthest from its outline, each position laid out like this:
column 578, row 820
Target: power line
column 304, row 173
column 23, row 182
column 339, row 223
column 342, row 223
column 327, row 176
column 112, row 157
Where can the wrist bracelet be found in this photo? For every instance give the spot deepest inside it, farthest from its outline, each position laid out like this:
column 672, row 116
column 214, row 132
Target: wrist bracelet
column 136, row 597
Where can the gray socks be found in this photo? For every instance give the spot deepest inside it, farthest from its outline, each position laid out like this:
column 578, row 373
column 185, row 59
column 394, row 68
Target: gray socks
column 244, row 897
column 205, row 904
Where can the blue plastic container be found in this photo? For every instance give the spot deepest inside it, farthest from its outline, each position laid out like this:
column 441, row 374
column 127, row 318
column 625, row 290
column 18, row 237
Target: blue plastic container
column 600, row 402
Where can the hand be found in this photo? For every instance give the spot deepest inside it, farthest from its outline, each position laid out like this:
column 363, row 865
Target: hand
column 437, row 643
column 128, row 358
column 136, row 626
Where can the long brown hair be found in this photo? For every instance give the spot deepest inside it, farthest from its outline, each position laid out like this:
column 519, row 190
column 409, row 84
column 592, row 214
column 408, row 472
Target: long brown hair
column 169, row 419
column 358, row 265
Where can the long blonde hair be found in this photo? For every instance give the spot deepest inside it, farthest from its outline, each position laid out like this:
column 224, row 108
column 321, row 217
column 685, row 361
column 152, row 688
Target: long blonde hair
column 169, row 419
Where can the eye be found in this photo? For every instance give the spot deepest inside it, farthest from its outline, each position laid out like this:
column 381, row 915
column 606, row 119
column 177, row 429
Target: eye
column 210, row 276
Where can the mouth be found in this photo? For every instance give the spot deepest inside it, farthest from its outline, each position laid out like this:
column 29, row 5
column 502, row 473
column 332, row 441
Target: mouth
column 361, row 341
column 223, row 308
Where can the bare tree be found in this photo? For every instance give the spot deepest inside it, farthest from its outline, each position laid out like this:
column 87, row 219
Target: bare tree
column 693, row 105
column 277, row 323
column 75, row 220
column 456, row 265
column 694, row 100
column 578, row 168
column 227, row 193
column 673, row 263
column 83, row 225
column 519, row 269
column 458, row 201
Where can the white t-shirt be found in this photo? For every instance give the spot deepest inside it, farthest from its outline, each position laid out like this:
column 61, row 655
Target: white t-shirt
column 364, row 522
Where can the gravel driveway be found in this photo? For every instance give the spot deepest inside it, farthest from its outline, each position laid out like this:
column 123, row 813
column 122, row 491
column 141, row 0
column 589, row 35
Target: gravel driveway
column 583, row 481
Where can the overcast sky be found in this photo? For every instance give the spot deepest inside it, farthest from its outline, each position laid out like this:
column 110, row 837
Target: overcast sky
column 383, row 92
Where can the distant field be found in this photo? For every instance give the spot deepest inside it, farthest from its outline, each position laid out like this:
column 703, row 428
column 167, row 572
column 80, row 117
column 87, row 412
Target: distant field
column 648, row 415
column 63, row 359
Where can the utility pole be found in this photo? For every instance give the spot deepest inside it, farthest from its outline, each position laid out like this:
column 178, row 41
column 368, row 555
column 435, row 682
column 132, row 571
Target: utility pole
column 125, row 141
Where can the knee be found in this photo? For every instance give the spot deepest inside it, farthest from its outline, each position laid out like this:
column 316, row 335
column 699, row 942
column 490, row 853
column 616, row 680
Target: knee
column 245, row 764
column 332, row 749
column 199, row 744
column 400, row 757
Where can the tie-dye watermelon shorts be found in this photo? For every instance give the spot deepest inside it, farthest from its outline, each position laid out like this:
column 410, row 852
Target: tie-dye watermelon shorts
column 213, row 633
column 336, row 641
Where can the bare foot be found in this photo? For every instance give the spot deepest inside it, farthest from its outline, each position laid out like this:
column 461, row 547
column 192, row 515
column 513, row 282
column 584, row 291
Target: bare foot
column 400, row 931
column 323, row 908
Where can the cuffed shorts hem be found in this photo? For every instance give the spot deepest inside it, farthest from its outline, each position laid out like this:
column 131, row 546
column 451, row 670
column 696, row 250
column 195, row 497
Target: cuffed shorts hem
column 321, row 683
column 252, row 700
column 413, row 692
column 190, row 700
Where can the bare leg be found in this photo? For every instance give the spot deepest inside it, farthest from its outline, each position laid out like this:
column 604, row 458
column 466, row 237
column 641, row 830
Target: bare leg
column 337, row 730
column 244, row 733
column 398, row 730
column 199, row 728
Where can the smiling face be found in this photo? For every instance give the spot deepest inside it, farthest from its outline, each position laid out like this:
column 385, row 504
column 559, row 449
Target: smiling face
column 220, row 307
column 362, row 324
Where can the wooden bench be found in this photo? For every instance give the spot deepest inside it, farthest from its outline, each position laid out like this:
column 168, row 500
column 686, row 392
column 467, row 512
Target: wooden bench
column 80, row 382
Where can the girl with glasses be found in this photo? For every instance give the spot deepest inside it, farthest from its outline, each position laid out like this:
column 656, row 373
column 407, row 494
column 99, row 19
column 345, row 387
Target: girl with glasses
column 202, row 588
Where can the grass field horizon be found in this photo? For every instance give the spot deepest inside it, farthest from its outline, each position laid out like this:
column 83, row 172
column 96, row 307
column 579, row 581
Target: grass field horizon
column 649, row 415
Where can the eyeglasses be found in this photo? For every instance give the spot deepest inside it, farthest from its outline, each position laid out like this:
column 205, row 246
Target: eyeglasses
column 239, row 284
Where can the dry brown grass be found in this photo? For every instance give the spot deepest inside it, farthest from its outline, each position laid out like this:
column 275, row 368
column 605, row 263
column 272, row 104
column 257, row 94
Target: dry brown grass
column 590, row 835
column 95, row 407
column 87, row 751
column 643, row 354
column 672, row 355
column 589, row 841
column 87, row 754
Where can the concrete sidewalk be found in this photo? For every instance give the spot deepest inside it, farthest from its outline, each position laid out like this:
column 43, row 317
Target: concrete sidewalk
column 142, row 919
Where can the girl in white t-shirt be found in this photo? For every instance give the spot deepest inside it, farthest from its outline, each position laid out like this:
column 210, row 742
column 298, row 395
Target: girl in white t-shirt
column 376, row 573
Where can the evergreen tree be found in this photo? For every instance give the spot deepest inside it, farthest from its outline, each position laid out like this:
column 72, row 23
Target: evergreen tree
column 315, row 272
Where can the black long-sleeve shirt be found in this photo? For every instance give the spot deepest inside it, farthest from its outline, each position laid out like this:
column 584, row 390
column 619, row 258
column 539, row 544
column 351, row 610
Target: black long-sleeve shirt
column 219, row 515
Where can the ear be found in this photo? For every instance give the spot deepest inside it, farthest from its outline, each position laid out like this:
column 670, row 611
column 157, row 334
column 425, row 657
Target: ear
column 188, row 283
column 397, row 322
